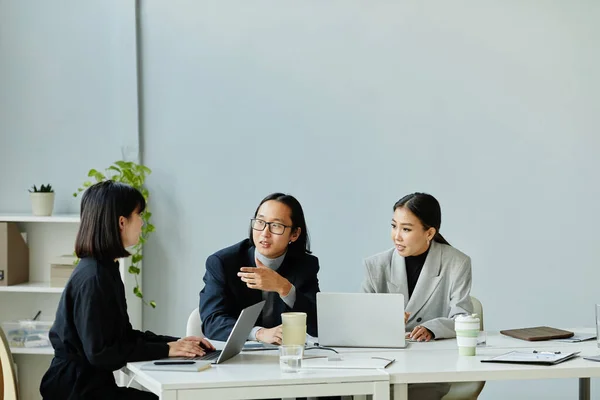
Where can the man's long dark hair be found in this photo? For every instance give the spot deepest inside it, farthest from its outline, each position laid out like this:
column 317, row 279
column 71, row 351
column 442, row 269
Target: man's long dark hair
column 302, row 244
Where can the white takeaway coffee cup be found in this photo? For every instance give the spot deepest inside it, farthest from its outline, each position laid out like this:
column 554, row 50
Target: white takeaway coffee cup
column 467, row 330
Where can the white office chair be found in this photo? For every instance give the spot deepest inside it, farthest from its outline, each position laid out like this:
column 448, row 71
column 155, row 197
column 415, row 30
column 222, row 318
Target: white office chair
column 194, row 324
column 468, row 390
column 9, row 389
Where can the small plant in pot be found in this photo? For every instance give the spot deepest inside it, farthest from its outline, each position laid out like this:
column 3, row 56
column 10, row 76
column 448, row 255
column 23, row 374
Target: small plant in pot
column 42, row 200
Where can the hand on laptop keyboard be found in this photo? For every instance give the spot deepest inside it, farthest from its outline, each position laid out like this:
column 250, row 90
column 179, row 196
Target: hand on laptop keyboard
column 185, row 348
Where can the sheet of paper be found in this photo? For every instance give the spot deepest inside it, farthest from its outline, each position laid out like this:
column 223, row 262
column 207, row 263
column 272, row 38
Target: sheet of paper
column 577, row 337
column 541, row 357
column 531, row 357
column 343, row 362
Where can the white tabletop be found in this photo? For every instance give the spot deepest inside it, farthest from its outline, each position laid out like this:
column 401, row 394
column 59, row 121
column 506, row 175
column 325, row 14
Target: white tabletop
column 251, row 369
column 448, row 366
column 436, row 361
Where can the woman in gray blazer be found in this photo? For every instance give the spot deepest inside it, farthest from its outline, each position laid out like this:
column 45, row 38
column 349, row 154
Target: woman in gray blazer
column 434, row 277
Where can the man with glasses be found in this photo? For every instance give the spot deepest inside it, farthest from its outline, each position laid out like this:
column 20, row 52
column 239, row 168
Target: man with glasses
column 274, row 264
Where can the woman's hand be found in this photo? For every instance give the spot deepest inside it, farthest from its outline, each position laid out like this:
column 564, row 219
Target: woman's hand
column 420, row 334
column 406, row 315
column 185, row 348
column 202, row 341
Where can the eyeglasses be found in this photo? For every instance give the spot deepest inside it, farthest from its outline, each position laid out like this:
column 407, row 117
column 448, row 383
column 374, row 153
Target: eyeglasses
column 274, row 227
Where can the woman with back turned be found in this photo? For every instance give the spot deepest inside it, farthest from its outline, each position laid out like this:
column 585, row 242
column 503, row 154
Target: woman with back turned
column 91, row 335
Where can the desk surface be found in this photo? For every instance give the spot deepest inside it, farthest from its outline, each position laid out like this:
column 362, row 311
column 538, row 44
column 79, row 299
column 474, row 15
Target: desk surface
column 436, row 361
column 251, row 369
column 448, row 366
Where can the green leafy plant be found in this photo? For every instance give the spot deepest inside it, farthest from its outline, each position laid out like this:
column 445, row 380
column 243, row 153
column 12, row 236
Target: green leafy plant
column 43, row 189
column 135, row 175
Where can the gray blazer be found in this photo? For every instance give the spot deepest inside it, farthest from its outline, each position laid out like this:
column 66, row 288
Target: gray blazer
column 441, row 293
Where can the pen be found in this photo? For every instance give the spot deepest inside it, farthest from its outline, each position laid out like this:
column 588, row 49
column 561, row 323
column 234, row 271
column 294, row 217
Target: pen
column 546, row 352
column 174, row 362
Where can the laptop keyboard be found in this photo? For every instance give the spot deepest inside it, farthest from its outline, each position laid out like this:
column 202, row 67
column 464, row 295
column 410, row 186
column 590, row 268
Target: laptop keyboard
column 213, row 355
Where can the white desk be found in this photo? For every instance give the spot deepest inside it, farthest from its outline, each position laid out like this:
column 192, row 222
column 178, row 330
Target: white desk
column 256, row 375
column 448, row 366
column 439, row 361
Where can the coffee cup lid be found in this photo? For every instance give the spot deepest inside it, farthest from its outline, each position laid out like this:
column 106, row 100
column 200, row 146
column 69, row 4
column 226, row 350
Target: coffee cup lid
column 468, row 318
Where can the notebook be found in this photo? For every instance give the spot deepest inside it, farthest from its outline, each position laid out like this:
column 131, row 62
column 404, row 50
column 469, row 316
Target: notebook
column 176, row 365
column 537, row 333
column 533, row 357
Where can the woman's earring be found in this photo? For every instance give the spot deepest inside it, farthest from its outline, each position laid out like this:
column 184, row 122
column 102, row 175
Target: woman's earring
column 290, row 242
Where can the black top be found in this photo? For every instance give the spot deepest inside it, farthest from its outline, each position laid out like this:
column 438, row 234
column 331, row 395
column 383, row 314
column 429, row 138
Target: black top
column 224, row 295
column 92, row 335
column 414, row 265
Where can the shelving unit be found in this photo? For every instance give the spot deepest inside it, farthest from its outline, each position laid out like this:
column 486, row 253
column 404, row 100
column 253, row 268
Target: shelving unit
column 47, row 238
column 59, row 218
column 31, row 287
column 40, row 351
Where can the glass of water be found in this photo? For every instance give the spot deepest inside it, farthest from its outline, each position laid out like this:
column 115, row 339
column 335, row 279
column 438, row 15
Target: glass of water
column 290, row 357
column 482, row 339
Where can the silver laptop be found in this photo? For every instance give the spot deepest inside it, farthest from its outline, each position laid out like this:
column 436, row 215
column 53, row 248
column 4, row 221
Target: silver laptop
column 361, row 320
column 237, row 337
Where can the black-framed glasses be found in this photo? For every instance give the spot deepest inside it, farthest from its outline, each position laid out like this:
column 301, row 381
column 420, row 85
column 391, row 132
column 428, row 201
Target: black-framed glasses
column 275, row 228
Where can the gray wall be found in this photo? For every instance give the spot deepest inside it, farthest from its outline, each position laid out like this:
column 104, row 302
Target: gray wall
column 350, row 106
column 68, row 98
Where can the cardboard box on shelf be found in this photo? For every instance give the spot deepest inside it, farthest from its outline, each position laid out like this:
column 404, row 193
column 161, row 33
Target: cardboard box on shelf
column 14, row 255
column 61, row 269
column 60, row 274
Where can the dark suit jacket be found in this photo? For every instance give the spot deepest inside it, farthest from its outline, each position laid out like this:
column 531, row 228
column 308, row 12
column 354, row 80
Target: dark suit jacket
column 225, row 295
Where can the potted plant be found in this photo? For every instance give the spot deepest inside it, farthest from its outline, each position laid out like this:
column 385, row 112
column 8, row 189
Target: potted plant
column 42, row 200
column 135, row 175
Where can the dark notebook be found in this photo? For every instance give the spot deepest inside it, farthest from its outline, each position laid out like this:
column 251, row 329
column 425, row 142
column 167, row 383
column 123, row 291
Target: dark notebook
column 537, row 333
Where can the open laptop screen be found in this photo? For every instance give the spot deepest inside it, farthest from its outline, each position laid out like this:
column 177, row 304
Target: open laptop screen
column 361, row 319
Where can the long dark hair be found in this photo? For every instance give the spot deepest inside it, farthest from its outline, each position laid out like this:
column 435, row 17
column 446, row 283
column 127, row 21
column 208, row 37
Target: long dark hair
column 102, row 204
column 302, row 244
column 427, row 209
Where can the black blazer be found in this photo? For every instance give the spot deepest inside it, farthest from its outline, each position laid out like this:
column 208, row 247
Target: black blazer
column 225, row 295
